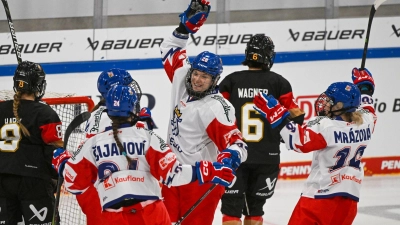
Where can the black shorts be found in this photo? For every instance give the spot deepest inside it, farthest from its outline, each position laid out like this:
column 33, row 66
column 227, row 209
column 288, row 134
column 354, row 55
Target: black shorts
column 30, row 197
column 254, row 185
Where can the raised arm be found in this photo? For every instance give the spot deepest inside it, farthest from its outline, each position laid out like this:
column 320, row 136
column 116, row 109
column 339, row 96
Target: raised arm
column 173, row 52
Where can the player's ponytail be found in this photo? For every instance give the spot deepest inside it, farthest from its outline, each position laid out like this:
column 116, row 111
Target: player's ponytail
column 356, row 117
column 116, row 121
column 17, row 98
column 100, row 103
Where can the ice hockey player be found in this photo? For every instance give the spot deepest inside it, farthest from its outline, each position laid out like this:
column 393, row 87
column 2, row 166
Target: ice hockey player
column 202, row 123
column 251, row 190
column 338, row 136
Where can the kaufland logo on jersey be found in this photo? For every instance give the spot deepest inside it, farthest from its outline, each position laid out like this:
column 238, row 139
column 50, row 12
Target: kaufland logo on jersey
column 128, row 178
column 349, row 177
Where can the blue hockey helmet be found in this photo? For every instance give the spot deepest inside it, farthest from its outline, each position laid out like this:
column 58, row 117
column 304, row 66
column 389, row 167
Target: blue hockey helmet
column 345, row 92
column 209, row 63
column 111, row 77
column 121, row 101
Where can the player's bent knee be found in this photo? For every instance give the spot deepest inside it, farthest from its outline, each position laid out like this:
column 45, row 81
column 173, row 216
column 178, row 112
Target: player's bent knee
column 232, row 206
column 230, row 220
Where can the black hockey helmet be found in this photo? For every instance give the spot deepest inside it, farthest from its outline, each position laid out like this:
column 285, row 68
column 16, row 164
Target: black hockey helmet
column 260, row 49
column 29, row 77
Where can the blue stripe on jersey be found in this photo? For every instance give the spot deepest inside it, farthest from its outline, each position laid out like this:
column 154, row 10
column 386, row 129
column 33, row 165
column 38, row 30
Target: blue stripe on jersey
column 343, row 194
column 291, row 142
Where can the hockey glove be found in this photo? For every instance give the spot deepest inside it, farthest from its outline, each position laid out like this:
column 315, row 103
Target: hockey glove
column 195, row 15
column 270, row 108
column 216, row 173
column 362, row 77
column 60, row 157
column 233, row 155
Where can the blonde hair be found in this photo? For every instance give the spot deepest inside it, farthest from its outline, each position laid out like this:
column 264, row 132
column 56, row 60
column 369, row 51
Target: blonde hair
column 355, row 117
column 16, row 103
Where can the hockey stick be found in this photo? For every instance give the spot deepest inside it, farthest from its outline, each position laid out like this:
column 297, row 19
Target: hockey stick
column 374, row 7
column 195, row 204
column 12, row 31
column 78, row 120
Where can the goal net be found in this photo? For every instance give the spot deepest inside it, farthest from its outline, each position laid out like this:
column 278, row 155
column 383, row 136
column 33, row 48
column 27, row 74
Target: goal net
column 67, row 106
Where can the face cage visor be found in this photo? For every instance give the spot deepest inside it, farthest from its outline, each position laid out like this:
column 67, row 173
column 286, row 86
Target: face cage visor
column 198, row 94
column 135, row 86
column 323, row 105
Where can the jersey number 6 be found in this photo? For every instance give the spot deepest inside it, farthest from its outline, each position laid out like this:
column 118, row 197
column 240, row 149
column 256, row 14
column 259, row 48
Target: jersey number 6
column 247, row 123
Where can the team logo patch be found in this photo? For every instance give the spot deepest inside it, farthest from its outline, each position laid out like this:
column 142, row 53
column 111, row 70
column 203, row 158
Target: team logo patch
column 108, row 183
column 204, row 59
column 335, row 179
column 40, row 214
column 176, row 120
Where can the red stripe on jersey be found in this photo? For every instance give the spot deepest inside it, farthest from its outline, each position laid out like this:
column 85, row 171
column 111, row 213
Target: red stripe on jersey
column 222, row 135
column 177, row 62
column 160, row 162
column 89, row 135
column 226, row 95
column 86, row 175
column 310, row 141
column 370, row 108
column 287, row 101
column 51, row 132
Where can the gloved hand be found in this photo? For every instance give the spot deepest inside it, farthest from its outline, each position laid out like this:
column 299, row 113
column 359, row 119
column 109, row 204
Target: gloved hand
column 214, row 172
column 60, row 157
column 233, row 155
column 363, row 77
column 145, row 115
column 195, row 15
column 270, row 108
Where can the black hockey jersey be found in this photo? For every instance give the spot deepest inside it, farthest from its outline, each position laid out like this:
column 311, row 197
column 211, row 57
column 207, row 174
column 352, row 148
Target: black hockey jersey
column 28, row 156
column 240, row 88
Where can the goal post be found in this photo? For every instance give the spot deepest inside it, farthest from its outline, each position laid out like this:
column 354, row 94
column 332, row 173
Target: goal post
column 67, row 106
column 67, row 109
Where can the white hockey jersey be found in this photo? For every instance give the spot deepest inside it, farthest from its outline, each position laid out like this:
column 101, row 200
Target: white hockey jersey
column 100, row 162
column 198, row 129
column 97, row 122
column 338, row 146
